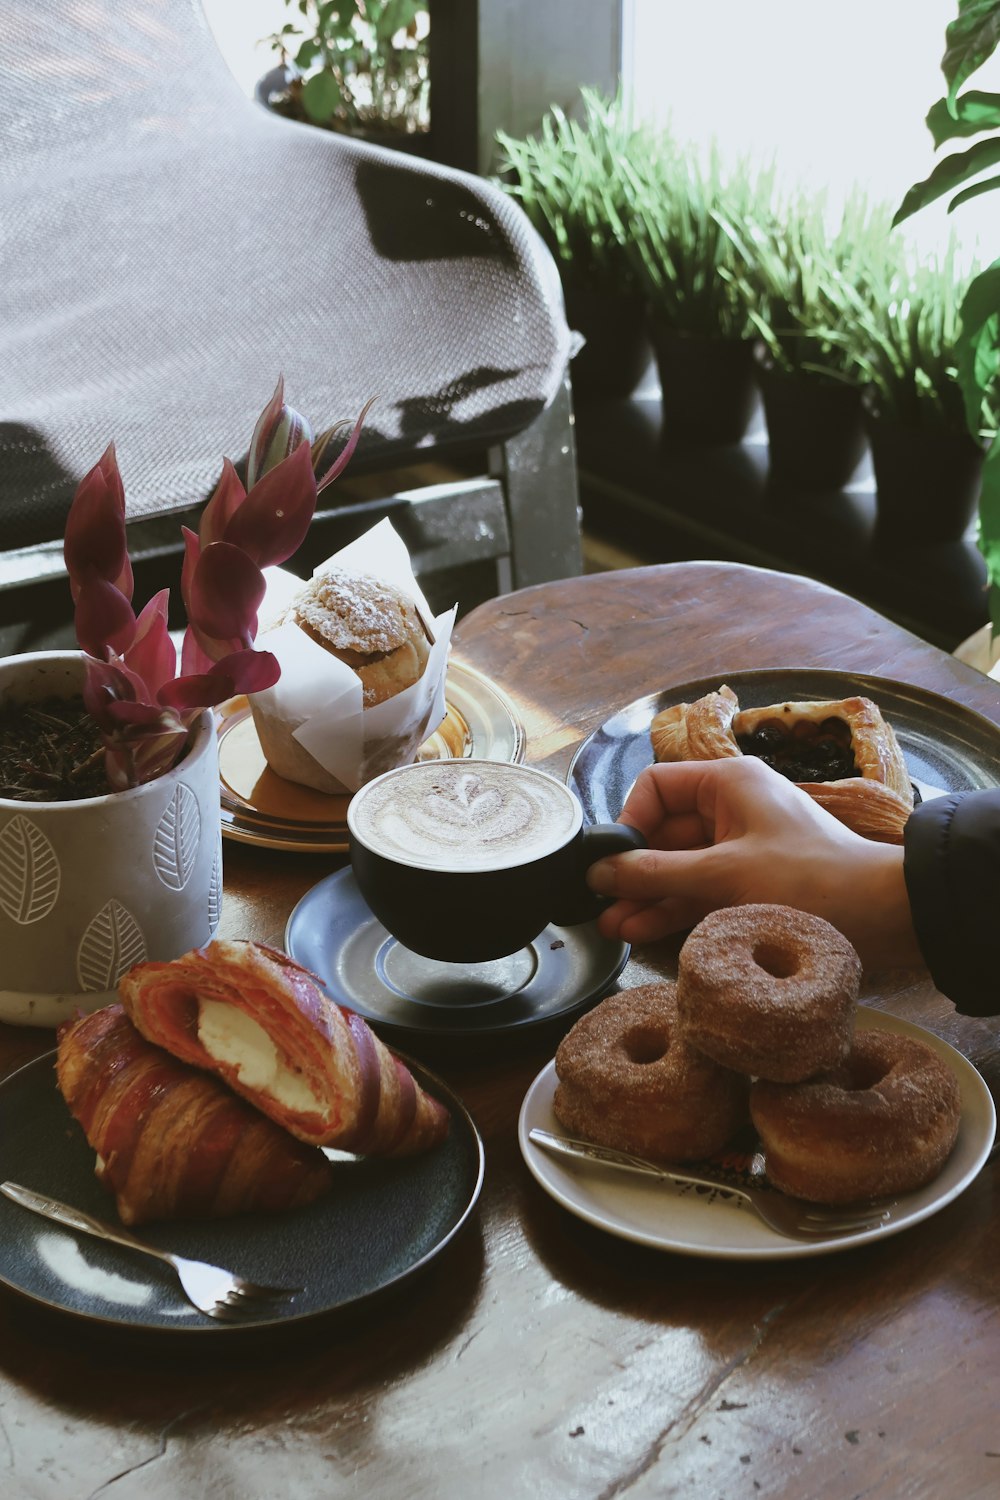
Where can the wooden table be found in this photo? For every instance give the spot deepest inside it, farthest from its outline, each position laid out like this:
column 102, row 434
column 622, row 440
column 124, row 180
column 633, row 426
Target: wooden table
column 538, row 1356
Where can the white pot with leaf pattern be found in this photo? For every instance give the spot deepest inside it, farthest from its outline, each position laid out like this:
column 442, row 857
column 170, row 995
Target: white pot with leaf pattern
column 89, row 888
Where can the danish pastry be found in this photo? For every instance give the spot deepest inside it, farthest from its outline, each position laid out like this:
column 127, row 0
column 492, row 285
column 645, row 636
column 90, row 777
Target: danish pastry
column 843, row 753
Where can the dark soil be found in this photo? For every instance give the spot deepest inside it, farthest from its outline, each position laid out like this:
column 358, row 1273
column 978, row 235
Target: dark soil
column 50, row 751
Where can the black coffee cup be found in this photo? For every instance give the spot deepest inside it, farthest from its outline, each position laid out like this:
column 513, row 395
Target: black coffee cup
column 456, row 878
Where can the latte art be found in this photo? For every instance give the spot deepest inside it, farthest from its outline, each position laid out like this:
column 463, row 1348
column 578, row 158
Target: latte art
column 464, row 815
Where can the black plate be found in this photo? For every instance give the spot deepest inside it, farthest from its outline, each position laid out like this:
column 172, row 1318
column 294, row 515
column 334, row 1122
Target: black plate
column 333, row 933
column 383, row 1221
column 947, row 747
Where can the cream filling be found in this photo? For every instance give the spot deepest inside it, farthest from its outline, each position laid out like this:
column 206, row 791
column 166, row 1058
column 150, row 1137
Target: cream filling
column 231, row 1036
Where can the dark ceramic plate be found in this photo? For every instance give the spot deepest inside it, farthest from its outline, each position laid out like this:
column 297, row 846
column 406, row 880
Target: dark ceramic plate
column 333, row 933
column 382, row 1222
column 947, row 747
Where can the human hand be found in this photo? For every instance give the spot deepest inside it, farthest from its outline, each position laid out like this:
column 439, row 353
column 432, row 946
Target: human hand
column 731, row 832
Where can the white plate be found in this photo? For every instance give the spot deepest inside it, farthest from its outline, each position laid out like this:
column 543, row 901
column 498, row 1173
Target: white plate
column 691, row 1222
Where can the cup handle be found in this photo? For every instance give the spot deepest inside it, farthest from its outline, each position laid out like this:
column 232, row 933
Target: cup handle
column 577, row 903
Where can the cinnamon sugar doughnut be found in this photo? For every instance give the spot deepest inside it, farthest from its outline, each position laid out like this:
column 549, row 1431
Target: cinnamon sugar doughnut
column 769, row 991
column 883, row 1122
column 628, row 1079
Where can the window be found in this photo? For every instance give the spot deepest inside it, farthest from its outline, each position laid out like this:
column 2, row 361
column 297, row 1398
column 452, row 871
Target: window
column 835, row 92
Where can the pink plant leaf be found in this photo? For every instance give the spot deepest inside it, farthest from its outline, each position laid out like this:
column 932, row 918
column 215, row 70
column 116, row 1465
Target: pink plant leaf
column 145, row 755
column 251, row 671
column 347, row 453
column 227, row 497
column 200, row 649
column 279, row 431
column 226, row 592
column 103, row 618
column 127, row 715
column 153, row 655
column 108, row 682
column 243, row 672
column 192, row 552
column 94, row 539
column 194, row 658
column 272, row 522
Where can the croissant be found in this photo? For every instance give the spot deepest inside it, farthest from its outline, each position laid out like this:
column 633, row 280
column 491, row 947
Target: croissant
column 875, row 799
column 171, row 1141
column 262, row 1023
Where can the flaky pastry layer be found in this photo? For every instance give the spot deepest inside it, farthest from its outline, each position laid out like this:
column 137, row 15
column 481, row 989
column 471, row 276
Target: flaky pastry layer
column 876, row 803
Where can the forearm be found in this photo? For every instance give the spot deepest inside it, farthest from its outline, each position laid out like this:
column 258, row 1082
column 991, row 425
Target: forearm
column 952, row 872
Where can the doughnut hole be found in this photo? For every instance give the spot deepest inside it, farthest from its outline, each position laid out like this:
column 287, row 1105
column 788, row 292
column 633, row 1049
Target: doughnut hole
column 646, row 1044
column 881, row 1123
column 626, row 1078
column 768, row 991
column 779, row 962
column 861, row 1073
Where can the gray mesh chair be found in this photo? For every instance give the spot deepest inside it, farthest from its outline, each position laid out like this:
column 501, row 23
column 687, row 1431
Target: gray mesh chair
column 170, row 247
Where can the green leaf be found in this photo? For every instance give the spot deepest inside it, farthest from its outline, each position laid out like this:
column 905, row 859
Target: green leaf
column 974, row 111
column 989, row 527
column 982, row 300
column 975, row 191
column 307, row 53
column 320, row 96
column 978, row 346
column 969, row 41
column 948, row 174
column 397, row 16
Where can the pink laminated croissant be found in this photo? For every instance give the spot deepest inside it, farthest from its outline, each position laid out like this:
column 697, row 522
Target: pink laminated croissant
column 262, row 1023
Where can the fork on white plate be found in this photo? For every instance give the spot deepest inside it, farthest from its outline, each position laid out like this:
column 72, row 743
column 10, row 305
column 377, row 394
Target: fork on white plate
column 791, row 1217
column 212, row 1290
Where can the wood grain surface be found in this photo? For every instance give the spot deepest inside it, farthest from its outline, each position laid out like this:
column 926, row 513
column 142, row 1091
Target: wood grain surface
column 539, row 1356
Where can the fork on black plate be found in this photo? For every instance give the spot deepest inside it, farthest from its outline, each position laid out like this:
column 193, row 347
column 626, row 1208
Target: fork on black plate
column 212, row 1290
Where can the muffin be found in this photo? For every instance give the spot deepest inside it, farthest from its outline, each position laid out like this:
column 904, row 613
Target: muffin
column 368, row 624
column 373, row 628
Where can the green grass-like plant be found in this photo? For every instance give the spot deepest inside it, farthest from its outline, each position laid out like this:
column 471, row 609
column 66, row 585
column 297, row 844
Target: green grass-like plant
column 902, row 335
column 798, row 279
column 688, row 218
column 569, row 180
column 971, row 39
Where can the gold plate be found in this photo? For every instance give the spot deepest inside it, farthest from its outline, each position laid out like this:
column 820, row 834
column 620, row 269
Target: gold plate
column 259, row 807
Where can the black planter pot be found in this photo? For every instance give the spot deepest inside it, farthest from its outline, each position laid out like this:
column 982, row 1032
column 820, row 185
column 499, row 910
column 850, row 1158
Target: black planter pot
column 815, row 429
column 617, row 352
column 708, row 386
column 927, row 483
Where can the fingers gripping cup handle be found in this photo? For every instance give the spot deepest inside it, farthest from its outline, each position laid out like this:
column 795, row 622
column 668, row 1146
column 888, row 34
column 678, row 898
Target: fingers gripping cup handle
column 576, row 903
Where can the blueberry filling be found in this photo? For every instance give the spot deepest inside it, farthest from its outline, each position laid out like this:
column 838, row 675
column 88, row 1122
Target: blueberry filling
column 803, row 751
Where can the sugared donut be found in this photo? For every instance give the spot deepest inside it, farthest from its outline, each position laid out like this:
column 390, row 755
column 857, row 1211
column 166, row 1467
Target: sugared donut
column 881, row 1123
column 628, row 1079
column 768, row 991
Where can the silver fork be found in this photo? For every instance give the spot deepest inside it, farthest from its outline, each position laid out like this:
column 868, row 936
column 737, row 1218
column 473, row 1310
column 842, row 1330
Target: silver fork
column 219, row 1293
column 791, row 1217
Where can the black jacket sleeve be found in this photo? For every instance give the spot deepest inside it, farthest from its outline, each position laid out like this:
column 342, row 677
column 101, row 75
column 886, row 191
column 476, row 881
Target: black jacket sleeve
column 951, row 864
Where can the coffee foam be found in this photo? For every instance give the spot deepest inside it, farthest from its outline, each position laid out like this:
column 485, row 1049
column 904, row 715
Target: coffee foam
column 464, row 815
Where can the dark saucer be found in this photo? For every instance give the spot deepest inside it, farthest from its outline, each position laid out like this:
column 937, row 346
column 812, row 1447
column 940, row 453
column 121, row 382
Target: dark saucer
column 332, row 932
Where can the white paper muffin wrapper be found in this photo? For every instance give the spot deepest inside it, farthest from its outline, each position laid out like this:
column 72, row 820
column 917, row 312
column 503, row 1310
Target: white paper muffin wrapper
column 311, row 724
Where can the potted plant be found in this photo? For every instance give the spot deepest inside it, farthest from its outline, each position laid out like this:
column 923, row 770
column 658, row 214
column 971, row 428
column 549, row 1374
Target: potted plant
column 797, row 269
column 903, row 339
column 971, row 40
column 361, row 67
column 110, row 848
column 685, row 217
column 571, row 181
